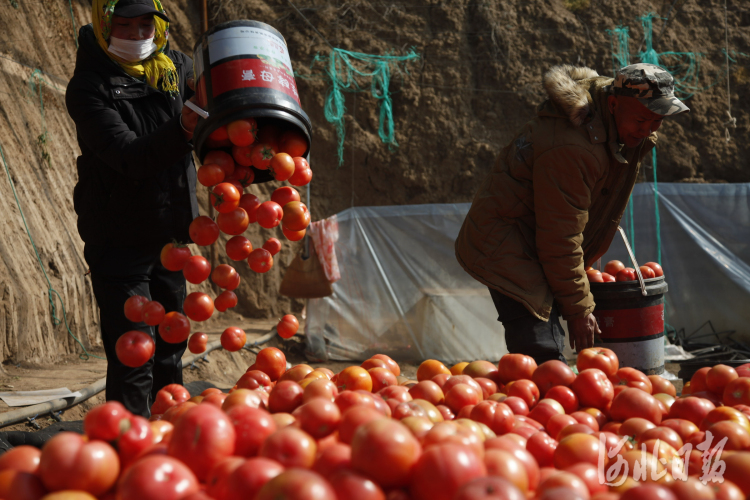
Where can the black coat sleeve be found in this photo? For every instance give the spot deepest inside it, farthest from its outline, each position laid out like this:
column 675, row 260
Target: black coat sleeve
column 102, row 130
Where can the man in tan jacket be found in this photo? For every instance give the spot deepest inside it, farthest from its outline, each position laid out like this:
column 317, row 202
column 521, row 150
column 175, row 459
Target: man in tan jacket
column 552, row 203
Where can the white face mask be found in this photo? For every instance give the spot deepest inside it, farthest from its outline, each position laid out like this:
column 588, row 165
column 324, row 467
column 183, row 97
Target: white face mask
column 132, row 50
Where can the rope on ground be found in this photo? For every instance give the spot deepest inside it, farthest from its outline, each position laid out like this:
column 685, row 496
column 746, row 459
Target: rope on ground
column 51, row 292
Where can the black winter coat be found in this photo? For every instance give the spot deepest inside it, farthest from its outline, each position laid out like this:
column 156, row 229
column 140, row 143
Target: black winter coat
column 136, row 178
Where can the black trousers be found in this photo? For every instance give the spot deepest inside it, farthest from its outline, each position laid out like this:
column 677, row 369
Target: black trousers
column 116, row 274
column 527, row 334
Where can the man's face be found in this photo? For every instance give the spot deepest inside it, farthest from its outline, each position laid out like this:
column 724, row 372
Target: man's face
column 134, row 28
column 634, row 121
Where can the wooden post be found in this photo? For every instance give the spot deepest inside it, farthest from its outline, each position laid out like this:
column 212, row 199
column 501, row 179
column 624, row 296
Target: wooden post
column 204, row 15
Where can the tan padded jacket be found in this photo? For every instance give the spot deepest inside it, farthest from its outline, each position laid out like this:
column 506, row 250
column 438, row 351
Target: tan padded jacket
column 554, row 199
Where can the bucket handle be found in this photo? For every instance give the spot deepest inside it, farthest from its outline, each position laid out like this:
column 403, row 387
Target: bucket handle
column 635, row 263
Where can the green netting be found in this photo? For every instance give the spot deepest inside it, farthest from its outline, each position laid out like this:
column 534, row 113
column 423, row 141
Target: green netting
column 621, row 53
column 344, row 68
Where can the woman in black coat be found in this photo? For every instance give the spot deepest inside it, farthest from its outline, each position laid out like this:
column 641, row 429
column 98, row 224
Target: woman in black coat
column 136, row 178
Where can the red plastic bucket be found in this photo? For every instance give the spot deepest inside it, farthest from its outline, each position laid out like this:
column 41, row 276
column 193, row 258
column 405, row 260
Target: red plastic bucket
column 632, row 324
column 242, row 69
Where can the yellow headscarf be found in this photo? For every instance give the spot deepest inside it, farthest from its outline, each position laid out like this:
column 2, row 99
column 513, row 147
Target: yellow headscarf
column 158, row 69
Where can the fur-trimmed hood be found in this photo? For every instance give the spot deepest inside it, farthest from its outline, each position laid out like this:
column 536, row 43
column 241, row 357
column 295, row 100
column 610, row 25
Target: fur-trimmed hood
column 562, row 84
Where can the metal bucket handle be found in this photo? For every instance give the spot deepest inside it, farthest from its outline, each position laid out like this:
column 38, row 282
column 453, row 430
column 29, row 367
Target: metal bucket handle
column 635, row 263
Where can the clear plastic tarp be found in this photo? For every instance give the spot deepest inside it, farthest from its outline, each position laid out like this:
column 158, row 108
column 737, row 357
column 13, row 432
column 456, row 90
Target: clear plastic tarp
column 403, row 293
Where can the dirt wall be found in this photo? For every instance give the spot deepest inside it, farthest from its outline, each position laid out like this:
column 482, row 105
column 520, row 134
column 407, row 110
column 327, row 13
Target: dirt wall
column 476, row 82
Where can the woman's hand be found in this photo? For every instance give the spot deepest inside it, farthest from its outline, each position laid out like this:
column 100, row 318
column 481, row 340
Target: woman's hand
column 189, row 118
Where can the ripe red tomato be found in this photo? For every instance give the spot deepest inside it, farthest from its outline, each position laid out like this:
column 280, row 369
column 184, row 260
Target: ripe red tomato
column 489, row 488
column 593, row 388
column 255, row 379
column 261, row 155
column 202, row 437
column 23, row 458
column 515, row 367
column 284, row 195
column 273, row 245
column 302, row 172
column 552, row 373
column 226, row 277
column 250, row 203
column 293, row 235
column 217, row 482
column 526, row 390
column 737, row 392
column 497, row 416
column 226, row 300
column 244, row 175
column 224, row 197
column 577, row 448
column 233, row 339
column 442, row 469
column 222, row 159
column 293, row 143
column 197, row 269
column 68, row 462
column 134, row 308
column 632, row 378
column 269, row 214
column 242, row 155
column 203, row 231
column 627, row 274
column 691, row 408
column 210, row 174
column 272, row 362
column 174, row 256
column 260, row 260
column 289, row 446
column 613, row 267
column 238, row 248
column 175, row 328
column 354, row 378
column 565, row 396
column 220, row 134
column 134, row 348
column 598, row 357
column 197, row 342
column 103, row 422
column 282, row 166
column 242, row 132
column 594, row 276
column 157, row 477
column 318, row 417
column 658, row 271
column 296, row 217
column 288, row 326
column 135, row 437
column 246, row 480
column 542, row 447
column 608, row 278
column 386, row 451
column 169, row 396
column 234, row 222
column 719, row 376
column 348, row 484
column 252, row 426
column 635, row 403
column 198, row 306
column 647, row 272
column 297, row 484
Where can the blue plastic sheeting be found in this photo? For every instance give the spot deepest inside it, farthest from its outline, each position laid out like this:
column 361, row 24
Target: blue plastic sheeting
column 705, row 245
column 403, row 293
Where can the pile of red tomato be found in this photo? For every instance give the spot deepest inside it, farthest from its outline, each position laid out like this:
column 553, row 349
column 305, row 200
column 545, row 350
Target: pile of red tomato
column 616, row 271
column 478, row 430
column 226, row 176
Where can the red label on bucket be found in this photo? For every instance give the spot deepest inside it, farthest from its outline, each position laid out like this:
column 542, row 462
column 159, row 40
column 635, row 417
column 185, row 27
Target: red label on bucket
column 243, row 73
column 631, row 323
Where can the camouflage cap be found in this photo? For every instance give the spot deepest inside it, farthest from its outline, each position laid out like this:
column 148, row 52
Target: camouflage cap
column 652, row 85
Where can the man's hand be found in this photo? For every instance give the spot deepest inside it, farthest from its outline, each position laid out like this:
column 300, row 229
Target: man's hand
column 582, row 332
column 189, row 118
